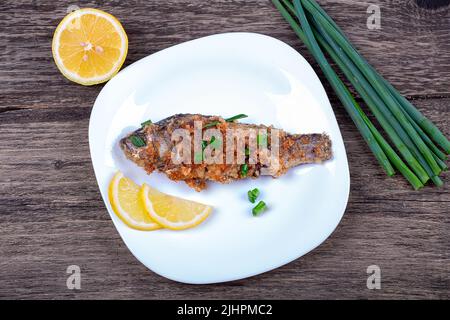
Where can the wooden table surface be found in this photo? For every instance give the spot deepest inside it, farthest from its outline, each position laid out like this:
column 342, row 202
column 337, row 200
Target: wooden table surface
column 51, row 212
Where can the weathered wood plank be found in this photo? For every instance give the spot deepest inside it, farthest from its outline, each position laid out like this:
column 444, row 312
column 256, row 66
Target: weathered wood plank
column 411, row 49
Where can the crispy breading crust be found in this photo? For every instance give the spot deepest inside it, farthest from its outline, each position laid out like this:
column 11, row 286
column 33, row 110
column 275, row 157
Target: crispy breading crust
column 294, row 149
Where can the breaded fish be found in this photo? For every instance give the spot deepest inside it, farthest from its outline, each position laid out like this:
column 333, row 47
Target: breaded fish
column 155, row 146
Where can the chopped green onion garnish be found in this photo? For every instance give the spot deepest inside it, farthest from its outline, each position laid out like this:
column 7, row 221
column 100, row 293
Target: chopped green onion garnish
column 198, row 157
column 261, row 139
column 231, row 119
column 236, row 117
column 244, row 169
column 137, row 141
column 146, row 123
column 259, row 208
column 216, row 143
column 247, row 151
column 253, row 195
column 211, row 124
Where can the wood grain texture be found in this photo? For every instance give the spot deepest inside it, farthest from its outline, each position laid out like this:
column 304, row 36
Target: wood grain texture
column 51, row 213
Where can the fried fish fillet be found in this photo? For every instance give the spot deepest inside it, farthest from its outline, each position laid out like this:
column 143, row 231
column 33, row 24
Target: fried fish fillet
column 153, row 147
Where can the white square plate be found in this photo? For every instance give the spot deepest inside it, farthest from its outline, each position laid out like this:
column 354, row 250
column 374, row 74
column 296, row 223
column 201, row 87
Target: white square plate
column 226, row 74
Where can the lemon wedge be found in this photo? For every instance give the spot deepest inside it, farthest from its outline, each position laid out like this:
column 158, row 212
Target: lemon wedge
column 89, row 46
column 172, row 212
column 126, row 203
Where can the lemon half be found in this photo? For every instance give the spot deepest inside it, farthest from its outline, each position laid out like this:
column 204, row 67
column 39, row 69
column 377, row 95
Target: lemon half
column 89, row 46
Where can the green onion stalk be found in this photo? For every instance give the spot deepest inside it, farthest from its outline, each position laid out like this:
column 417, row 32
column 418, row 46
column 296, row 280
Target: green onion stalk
column 367, row 130
column 376, row 82
column 428, row 126
column 389, row 123
column 409, row 135
column 398, row 163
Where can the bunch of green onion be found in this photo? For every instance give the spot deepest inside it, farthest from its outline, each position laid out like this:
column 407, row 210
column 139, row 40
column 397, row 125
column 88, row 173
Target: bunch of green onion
column 422, row 147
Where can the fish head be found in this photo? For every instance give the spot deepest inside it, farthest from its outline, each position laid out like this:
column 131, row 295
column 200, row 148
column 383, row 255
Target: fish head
column 133, row 144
